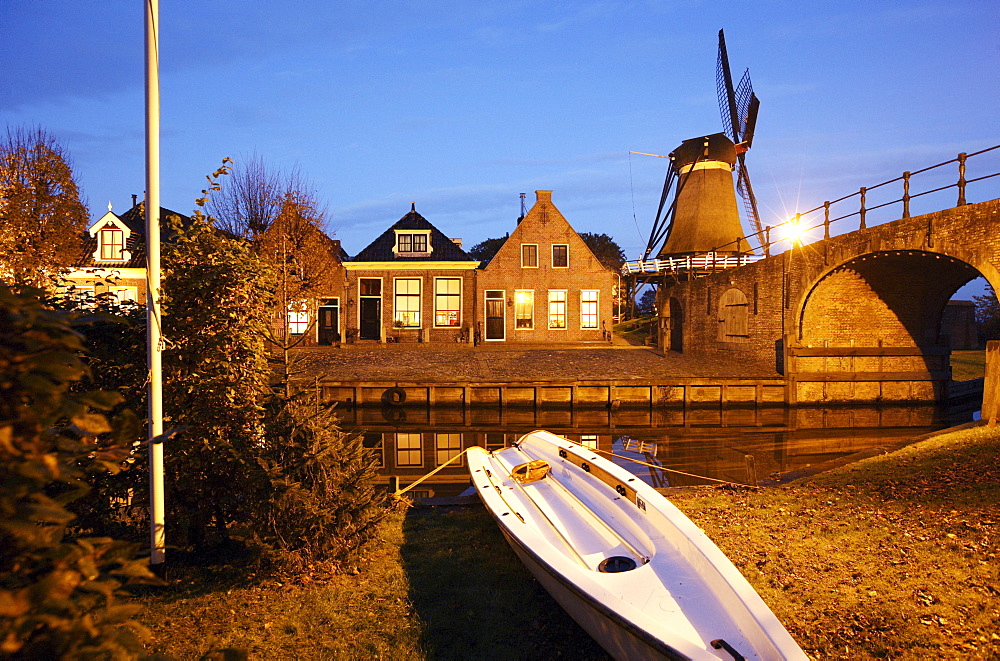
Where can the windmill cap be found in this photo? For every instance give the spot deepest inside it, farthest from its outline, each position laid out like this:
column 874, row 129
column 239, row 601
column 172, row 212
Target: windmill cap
column 716, row 147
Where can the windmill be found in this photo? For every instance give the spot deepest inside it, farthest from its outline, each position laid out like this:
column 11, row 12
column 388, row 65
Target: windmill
column 703, row 215
column 739, row 118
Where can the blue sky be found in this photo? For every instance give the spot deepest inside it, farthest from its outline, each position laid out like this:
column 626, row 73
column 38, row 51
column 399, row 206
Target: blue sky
column 461, row 106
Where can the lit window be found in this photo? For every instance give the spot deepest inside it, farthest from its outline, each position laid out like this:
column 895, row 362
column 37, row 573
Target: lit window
column 524, row 309
column 408, row 450
column 589, row 441
column 560, row 256
column 448, row 446
column 408, row 302
column 123, row 294
column 529, row 256
column 298, row 318
column 112, row 244
column 588, row 309
column 447, row 301
column 411, row 243
column 557, row 309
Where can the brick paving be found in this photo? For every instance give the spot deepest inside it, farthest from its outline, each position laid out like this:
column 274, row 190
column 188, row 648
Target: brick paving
column 464, row 364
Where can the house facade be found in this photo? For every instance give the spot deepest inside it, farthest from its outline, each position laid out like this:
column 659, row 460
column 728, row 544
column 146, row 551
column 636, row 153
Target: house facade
column 411, row 284
column 113, row 257
column 544, row 285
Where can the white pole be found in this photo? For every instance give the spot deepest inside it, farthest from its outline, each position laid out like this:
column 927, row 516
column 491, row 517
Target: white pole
column 155, row 343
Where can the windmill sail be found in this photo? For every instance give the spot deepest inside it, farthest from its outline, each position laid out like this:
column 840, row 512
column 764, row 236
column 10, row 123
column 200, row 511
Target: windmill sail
column 738, row 106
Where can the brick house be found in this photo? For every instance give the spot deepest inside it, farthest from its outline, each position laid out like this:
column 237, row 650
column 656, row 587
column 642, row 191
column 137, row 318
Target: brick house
column 411, row 284
column 544, row 285
column 310, row 285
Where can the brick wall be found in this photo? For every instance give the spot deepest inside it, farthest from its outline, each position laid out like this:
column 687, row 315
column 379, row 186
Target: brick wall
column 884, row 287
column 544, row 226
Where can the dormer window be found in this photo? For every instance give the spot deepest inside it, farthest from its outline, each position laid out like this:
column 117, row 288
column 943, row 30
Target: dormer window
column 412, row 242
column 111, row 244
column 111, row 235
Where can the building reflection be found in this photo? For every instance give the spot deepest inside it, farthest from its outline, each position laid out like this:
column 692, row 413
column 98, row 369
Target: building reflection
column 693, row 446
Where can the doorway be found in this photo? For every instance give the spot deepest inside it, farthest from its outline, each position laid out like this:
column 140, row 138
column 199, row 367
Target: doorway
column 370, row 309
column 328, row 330
column 495, row 316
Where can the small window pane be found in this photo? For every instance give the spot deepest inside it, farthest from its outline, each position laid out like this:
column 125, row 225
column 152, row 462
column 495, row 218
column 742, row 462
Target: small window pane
column 588, row 309
column 448, row 446
column 112, row 244
column 560, row 256
column 529, row 256
column 524, row 309
column 371, row 287
column 408, row 450
column 557, row 309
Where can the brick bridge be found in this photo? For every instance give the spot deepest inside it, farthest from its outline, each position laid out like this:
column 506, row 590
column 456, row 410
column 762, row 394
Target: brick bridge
column 853, row 318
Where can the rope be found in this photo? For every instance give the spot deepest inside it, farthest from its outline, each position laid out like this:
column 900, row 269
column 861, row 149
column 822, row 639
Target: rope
column 671, row 470
column 400, row 492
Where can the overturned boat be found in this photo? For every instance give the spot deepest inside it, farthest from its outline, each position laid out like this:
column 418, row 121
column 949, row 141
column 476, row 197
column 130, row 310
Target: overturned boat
column 624, row 562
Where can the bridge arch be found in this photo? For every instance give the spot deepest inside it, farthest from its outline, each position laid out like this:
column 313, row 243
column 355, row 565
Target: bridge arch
column 890, row 298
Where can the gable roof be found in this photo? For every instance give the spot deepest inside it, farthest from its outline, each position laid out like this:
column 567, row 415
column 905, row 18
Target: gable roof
column 543, row 218
column 443, row 249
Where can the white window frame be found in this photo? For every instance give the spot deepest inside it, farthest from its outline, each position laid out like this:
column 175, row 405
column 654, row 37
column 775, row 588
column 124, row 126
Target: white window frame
column 560, row 245
column 103, row 245
column 589, row 441
column 442, row 453
column 597, row 309
column 437, row 294
column 426, row 234
column 529, row 245
column 409, row 297
column 410, row 450
column 557, row 296
column 123, row 294
column 298, row 317
column 526, row 294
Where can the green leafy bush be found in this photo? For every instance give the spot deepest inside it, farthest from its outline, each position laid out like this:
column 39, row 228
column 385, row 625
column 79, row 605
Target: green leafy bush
column 59, row 595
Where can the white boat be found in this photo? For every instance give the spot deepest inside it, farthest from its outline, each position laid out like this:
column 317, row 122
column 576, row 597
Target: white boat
column 640, row 577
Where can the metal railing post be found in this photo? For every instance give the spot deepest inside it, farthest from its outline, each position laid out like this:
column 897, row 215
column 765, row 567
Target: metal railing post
column 961, row 179
column 826, row 220
column 863, row 191
column 767, row 240
column 906, row 195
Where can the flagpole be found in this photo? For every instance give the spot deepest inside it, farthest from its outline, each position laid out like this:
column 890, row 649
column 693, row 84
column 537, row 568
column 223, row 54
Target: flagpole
column 157, row 550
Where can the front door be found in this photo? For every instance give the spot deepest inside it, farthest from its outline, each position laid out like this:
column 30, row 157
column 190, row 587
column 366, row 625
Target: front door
column 370, row 309
column 371, row 319
column 495, row 321
column 329, row 322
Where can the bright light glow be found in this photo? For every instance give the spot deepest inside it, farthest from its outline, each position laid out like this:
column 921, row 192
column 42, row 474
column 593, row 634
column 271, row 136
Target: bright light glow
column 523, row 297
column 793, row 231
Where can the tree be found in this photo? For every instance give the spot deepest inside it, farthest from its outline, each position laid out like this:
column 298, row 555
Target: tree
column 215, row 377
column 250, row 199
column 988, row 314
column 486, row 250
column 647, row 303
column 605, row 250
column 323, row 504
column 41, row 215
column 60, row 596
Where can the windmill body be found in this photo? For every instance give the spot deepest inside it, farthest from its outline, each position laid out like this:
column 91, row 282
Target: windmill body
column 705, row 218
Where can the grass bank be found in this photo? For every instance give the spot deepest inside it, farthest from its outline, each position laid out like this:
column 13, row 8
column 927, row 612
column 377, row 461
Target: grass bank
column 967, row 365
column 894, row 556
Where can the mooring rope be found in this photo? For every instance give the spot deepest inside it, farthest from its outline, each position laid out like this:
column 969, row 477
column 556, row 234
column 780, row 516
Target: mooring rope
column 400, row 492
column 671, row 470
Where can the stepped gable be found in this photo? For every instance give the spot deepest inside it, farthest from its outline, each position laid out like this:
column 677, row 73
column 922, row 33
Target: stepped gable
column 443, row 249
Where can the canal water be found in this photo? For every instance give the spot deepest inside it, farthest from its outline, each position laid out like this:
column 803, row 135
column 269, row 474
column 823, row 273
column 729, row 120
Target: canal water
column 686, row 446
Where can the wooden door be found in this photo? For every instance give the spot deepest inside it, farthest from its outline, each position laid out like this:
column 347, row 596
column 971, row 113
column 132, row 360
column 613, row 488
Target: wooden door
column 495, row 321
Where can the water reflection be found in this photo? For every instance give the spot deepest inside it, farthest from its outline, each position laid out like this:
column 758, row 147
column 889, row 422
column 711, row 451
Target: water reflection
column 697, row 446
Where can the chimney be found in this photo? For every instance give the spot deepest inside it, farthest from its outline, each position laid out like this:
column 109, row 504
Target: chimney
column 543, row 196
column 135, row 199
column 457, row 242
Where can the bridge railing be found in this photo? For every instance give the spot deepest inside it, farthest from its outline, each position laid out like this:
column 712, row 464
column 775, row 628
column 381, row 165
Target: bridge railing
column 796, row 231
column 709, row 261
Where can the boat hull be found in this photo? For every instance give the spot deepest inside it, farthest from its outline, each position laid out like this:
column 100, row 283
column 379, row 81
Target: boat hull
column 622, row 561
